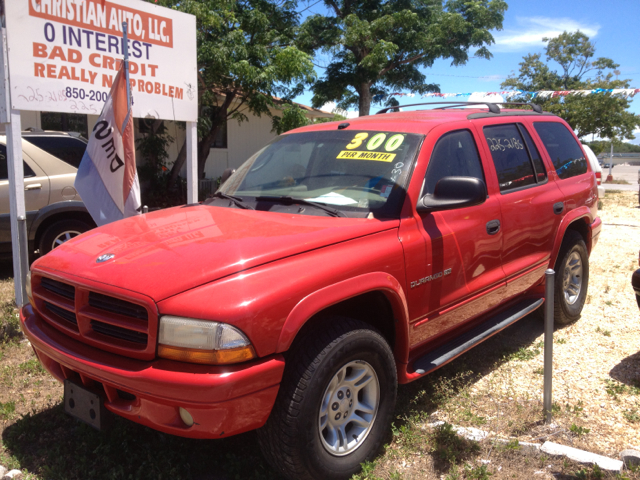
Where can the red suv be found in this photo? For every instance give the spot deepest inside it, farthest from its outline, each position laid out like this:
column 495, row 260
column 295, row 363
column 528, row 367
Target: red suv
column 339, row 260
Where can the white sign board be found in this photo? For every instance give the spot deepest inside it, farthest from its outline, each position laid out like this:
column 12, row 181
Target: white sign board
column 64, row 55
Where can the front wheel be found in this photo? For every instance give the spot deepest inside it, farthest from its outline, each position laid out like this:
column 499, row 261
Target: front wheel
column 572, row 279
column 60, row 232
column 335, row 403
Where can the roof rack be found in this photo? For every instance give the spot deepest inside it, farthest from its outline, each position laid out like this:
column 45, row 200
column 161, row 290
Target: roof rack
column 493, row 107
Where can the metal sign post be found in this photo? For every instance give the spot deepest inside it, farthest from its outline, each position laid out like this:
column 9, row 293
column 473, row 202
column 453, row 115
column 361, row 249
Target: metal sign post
column 548, row 344
column 192, row 162
column 11, row 119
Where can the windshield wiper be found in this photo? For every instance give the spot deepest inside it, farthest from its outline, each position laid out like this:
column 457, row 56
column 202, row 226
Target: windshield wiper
column 237, row 201
column 286, row 200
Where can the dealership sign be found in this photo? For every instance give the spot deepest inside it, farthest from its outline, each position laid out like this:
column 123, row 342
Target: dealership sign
column 64, row 56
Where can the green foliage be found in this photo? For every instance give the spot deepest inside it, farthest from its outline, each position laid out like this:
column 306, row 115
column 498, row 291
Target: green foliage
column 292, row 117
column 631, row 415
column 10, row 322
column 478, row 472
column 449, row 447
column 618, row 147
column 614, row 388
column 524, row 354
column 598, row 114
column 7, row 410
column 245, row 58
column 377, row 45
column 578, row 431
column 153, row 145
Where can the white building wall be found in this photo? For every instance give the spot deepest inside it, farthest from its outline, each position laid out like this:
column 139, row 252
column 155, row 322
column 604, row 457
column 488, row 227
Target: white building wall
column 243, row 140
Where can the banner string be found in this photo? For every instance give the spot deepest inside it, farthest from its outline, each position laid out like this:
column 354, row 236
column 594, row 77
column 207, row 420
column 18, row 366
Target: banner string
column 510, row 94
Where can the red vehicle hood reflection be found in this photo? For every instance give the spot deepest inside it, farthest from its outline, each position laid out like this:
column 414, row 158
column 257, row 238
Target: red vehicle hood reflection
column 169, row 251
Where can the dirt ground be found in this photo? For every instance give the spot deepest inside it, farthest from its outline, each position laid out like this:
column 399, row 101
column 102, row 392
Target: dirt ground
column 496, row 387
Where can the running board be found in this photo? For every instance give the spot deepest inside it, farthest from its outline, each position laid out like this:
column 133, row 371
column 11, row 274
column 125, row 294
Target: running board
column 458, row 346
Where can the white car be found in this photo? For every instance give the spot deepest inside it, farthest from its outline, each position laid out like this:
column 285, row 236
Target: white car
column 595, row 166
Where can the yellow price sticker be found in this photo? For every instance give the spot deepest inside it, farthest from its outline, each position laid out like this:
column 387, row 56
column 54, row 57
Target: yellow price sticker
column 372, row 156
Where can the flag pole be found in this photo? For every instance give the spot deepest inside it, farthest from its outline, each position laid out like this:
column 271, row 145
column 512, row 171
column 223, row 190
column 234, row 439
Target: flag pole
column 125, row 49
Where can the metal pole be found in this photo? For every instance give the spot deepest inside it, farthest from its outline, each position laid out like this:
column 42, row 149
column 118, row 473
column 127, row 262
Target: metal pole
column 192, row 162
column 125, row 48
column 11, row 119
column 548, row 343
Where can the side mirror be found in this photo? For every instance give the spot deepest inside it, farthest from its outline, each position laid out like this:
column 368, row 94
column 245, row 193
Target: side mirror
column 226, row 174
column 454, row 192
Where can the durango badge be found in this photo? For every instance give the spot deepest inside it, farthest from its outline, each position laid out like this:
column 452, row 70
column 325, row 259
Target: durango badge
column 105, row 257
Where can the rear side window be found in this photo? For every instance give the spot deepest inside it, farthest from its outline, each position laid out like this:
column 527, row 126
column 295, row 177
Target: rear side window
column 516, row 159
column 67, row 149
column 455, row 155
column 565, row 153
column 4, row 170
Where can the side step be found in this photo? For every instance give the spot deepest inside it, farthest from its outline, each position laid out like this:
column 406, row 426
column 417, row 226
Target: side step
column 458, row 346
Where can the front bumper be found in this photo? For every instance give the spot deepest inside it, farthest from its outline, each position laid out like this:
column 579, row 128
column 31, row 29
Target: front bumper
column 223, row 401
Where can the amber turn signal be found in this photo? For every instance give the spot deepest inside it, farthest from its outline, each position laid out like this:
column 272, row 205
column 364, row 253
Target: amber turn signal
column 207, row 357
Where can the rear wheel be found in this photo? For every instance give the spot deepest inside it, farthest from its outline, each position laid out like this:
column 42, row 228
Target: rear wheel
column 335, row 403
column 571, row 280
column 60, row 232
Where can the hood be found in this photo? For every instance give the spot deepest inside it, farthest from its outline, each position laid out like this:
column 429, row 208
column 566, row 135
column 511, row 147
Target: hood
column 169, row 251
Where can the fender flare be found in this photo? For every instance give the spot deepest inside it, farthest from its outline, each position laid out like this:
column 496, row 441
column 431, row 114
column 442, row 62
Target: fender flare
column 338, row 292
column 579, row 214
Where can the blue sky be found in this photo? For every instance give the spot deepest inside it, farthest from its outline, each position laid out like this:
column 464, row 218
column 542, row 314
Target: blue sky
column 613, row 27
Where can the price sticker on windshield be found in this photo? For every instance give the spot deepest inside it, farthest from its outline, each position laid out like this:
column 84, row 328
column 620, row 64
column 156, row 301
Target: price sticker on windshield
column 360, row 155
column 378, row 147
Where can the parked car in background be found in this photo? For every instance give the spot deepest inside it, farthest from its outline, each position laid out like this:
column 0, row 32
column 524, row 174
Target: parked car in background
column 635, row 280
column 595, row 166
column 55, row 212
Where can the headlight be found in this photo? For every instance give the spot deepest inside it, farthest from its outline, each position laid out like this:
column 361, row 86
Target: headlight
column 202, row 341
column 27, row 287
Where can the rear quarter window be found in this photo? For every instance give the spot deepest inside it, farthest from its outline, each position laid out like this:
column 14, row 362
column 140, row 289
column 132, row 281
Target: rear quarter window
column 566, row 155
column 67, row 149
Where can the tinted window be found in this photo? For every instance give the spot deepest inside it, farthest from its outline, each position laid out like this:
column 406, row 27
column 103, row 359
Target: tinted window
column 455, row 155
column 565, row 153
column 541, row 173
column 4, row 171
column 67, row 149
column 510, row 157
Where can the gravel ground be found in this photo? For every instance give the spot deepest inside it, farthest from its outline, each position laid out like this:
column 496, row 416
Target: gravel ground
column 597, row 359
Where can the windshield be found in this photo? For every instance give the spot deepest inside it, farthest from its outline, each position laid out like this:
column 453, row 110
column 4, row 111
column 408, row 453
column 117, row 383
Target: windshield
column 355, row 172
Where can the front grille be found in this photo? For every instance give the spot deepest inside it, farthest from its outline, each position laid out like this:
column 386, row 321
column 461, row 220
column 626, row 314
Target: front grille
column 62, row 313
column 58, row 288
column 115, row 305
column 121, row 322
column 118, row 332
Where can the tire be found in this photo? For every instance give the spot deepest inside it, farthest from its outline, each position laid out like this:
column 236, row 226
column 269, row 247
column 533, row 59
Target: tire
column 298, row 439
column 59, row 232
column 572, row 279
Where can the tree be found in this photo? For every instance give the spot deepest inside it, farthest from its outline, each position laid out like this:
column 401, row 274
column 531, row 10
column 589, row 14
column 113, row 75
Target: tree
column 292, row 117
column 598, row 114
column 246, row 57
column 379, row 45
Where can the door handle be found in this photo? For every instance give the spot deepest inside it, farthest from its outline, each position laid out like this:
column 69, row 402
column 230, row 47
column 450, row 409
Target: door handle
column 493, row 227
column 558, row 208
column 33, row 186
